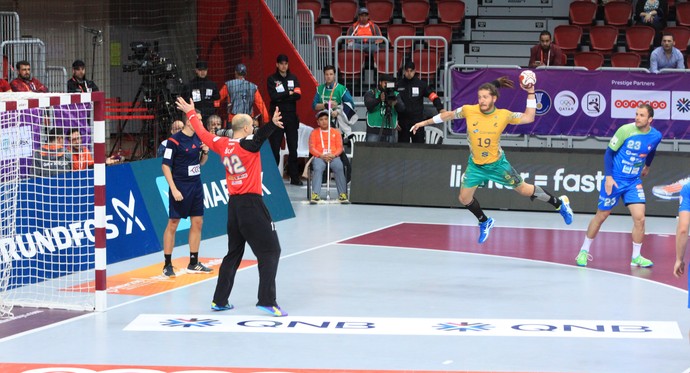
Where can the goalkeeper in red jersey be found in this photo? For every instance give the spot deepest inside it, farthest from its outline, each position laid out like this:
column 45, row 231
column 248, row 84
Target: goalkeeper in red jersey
column 248, row 218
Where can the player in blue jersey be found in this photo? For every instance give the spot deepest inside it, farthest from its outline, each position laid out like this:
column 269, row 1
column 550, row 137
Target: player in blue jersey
column 627, row 159
column 682, row 233
column 184, row 154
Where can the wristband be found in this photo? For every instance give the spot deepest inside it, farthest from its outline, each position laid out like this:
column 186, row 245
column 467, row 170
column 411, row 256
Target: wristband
column 531, row 104
column 437, row 118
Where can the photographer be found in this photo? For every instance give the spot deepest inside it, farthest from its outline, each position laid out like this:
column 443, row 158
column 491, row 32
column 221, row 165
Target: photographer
column 383, row 107
column 412, row 92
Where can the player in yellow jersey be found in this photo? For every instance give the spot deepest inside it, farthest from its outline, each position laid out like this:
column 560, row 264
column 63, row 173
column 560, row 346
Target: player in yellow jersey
column 485, row 124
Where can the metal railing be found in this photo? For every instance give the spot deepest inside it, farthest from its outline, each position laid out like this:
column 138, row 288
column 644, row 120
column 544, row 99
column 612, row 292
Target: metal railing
column 9, row 26
column 32, row 50
column 56, row 80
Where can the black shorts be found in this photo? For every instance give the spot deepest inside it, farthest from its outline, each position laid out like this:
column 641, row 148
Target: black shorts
column 192, row 203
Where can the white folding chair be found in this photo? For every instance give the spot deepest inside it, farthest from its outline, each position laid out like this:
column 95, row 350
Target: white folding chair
column 433, row 135
column 360, row 136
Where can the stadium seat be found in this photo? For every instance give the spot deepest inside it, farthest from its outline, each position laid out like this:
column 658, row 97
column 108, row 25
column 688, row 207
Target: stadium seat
column 380, row 12
column 415, row 12
column 360, row 136
column 639, row 38
column 433, row 135
column 681, row 36
column 451, row 12
column 625, row 59
column 618, row 13
column 590, row 60
column 394, row 61
column 582, row 13
column 683, row 14
column 313, row 5
column 445, row 31
column 397, row 30
column 426, row 64
column 603, row 39
column 334, row 31
column 568, row 37
column 350, row 64
column 343, row 12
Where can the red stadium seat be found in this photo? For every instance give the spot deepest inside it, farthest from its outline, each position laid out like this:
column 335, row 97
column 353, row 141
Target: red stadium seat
column 639, row 38
column 343, row 12
column 394, row 61
column 426, row 64
column 415, row 11
column 568, row 37
column 618, row 13
column 313, row 5
column 380, row 12
column 334, row 31
column 451, row 12
column 582, row 13
column 681, row 36
column 397, row 30
column 590, row 60
column 625, row 59
column 445, row 31
column 603, row 39
column 683, row 14
column 350, row 64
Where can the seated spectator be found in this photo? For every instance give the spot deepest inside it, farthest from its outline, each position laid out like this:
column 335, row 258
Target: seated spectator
column 363, row 27
column 24, row 82
column 52, row 158
column 326, row 145
column 214, row 123
column 545, row 53
column 652, row 13
column 5, row 86
column 81, row 155
column 175, row 127
column 666, row 56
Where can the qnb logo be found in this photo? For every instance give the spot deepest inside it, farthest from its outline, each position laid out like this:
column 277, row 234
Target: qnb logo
column 128, row 209
column 634, row 104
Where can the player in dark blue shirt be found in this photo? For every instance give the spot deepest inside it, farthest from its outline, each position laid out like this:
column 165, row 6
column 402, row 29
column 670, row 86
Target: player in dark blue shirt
column 627, row 159
column 182, row 159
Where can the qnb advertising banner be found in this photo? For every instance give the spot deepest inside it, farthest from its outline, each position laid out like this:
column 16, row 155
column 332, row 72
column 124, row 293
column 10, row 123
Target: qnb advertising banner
column 586, row 103
column 431, row 175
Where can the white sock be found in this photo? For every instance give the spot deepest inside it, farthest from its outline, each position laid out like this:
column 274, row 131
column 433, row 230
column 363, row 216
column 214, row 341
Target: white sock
column 636, row 249
column 586, row 244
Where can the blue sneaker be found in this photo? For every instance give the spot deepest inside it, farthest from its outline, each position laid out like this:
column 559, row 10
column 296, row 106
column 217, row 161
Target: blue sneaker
column 273, row 310
column 484, row 229
column 215, row 307
column 565, row 210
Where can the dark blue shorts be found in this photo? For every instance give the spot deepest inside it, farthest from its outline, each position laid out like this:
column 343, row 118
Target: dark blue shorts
column 191, row 205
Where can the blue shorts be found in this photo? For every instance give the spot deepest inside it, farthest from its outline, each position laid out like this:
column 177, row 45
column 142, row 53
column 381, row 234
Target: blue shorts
column 191, row 205
column 631, row 192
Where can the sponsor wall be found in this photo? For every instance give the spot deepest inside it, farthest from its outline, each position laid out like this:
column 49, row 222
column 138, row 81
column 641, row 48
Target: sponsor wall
column 430, row 175
column 585, row 103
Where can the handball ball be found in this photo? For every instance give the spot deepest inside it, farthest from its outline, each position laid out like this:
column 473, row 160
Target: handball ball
column 528, row 78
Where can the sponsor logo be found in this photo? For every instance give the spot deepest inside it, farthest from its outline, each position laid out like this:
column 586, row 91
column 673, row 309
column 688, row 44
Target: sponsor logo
column 15, row 143
column 593, row 104
column 463, row 327
column 683, row 105
column 189, row 323
column 543, row 102
column 625, row 102
column 455, row 176
column 634, row 104
column 566, row 103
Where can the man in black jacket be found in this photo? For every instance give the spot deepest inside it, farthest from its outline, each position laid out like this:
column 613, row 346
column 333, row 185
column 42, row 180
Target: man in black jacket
column 284, row 90
column 202, row 91
column 79, row 83
column 412, row 91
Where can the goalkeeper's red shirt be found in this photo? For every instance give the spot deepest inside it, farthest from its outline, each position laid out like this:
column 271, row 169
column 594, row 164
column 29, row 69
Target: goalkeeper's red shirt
column 240, row 157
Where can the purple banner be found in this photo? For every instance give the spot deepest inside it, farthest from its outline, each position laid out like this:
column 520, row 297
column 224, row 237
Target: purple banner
column 585, row 103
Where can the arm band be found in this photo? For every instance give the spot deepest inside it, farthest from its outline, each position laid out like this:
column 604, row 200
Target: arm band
column 437, row 119
column 531, row 103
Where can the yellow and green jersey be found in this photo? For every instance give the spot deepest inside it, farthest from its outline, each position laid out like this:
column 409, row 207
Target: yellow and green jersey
column 484, row 131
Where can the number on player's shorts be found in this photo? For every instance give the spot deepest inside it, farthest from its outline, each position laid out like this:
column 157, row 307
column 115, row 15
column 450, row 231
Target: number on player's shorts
column 233, row 164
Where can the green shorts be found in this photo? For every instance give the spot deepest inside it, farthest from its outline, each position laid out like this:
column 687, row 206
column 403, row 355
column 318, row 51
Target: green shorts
column 500, row 172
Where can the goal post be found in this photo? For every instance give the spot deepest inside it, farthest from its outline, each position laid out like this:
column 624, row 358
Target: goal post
column 52, row 201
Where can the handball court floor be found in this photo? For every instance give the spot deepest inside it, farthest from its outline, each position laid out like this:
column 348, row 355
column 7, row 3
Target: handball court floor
column 386, row 289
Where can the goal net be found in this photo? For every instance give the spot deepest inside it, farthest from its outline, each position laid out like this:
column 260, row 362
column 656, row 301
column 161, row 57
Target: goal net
column 52, row 197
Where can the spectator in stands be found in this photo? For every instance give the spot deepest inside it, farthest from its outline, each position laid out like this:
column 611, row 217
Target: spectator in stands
column 412, row 91
column 326, row 145
column 652, row 13
column 363, row 27
column 203, row 91
column 383, row 106
column 24, row 82
column 214, row 123
column 81, row 155
column 52, row 158
column 243, row 97
column 79, row 83
column 284, row 90
column 545, row 53
column 175, row 127
column 342, row 105
column 666, row 56
column 5, row 86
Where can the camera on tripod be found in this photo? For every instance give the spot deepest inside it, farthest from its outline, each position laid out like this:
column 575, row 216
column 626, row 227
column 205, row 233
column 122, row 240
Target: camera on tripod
column 390, row 91
column 149, row 62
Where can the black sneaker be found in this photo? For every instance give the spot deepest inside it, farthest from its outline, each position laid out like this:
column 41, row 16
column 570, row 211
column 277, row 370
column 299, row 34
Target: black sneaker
column 168, row 271
column 297, row 182
column 198, row 268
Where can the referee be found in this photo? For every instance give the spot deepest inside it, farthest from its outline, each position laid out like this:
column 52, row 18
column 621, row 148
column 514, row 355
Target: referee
column 248, row 218
column 184, row 154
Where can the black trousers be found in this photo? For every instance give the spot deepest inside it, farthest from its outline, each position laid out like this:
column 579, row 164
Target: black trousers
column 291, row 124
column 405, row 135
column 249, row 222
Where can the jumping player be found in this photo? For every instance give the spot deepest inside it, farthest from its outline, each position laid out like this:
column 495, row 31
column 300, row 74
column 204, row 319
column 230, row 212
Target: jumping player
column 248, row 218
column 485, row 124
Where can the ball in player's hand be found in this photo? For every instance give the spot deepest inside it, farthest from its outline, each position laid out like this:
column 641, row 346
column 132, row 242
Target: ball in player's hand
column 528, row 79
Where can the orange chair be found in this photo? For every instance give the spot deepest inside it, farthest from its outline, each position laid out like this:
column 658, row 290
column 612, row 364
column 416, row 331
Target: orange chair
column 683, row 14
column 397, row 30
column 590, row 60
column 625, row 59
column 380, row 12
column 343, row 12
column 618, row 14
column 639, row 38
column 445, row 31
column 331, row 30
column 415, row 12
column 350, row 64
column 582, row 13
column 451, row 12
column 426, row 64
column 313, row 5
column 681, row 36
column 568, row 37
column 603, row 39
